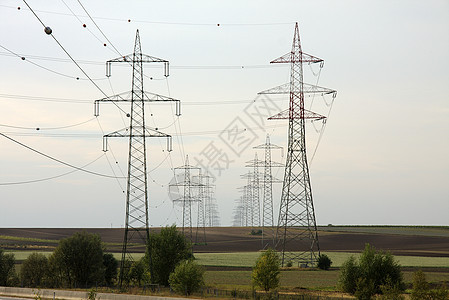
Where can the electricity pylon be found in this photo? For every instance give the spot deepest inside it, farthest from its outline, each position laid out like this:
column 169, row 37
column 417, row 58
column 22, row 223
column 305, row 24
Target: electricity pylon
column 296, row 232
column 187, row 197
column 136, row 219
column 204, row 195
column 208, row 205
column 254, row 185
column 267, row 204
column 248, row 199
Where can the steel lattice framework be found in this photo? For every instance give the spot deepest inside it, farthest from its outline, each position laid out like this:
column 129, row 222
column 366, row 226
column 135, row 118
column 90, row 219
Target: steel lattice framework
column 267, row 204
column 204, row 201
column 188, row 197
column 136, row 219
column 296, row 234
column 254, row 186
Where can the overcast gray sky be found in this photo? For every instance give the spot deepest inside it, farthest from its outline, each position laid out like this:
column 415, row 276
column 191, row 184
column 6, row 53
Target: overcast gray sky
column 382, row 159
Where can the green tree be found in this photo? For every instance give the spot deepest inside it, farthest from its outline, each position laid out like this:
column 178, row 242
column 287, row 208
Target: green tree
column 421, row 289
column 139, row 273
column 188, row 277
column 7, row 270
column 266, row 271
column 167, row 249
column 324, row 262
column 110, row 268
column 391, row 292
column 349, row 275
column 79, row 259
column 34, row 270
column 420, row 286
column 373, row 270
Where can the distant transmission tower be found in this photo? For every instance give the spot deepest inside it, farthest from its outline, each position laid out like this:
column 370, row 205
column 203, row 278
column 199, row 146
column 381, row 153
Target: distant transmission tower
column 296, row 232
column 239, row 213
column 204, row 198
column 254, row 185
column 267, row 205
column 136, row 219
column 187, row 197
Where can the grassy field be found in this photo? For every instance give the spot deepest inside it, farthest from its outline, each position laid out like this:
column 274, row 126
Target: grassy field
column 300, row 279
column 247, row 259
column 231, row 252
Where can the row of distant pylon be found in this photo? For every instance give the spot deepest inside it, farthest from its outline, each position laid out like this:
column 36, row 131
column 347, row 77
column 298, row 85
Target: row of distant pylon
column 248, row 210
column 195, row 188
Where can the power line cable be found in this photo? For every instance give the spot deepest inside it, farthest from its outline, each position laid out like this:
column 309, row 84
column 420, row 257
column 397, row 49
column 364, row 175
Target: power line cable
column 55, row 159
column 47, row 128
column 84, row 25
column 101, row 31
column 179, row 137
column 177, row 67
column 168, row 23
column 42, row 67
column 48, row 178
column 68, row 54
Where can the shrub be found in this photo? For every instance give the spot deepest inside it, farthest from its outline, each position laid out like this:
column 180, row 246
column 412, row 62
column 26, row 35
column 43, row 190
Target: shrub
column 7, row 270
column 349, row 275
column 78, row 260
column 167, row 249
column 266, row 271
column 324, row 262
column 111, row 265
column 365, row 289
column 139, row 273
column 373, row 270
column 421, row 289
column 34, row 270
column 188, row 277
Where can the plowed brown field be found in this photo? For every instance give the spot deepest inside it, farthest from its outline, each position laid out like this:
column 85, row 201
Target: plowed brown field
column 419, row 241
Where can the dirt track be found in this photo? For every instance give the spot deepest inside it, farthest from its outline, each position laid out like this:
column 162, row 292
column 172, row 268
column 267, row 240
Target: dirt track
column 238, row 239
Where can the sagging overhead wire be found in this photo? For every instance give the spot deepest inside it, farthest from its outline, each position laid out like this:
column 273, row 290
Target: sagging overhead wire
column 101, row 31
column 164, row 22
column 24, row 58
column 57, row 160
column 177, row 67
column 48, row 128
column 84, row 25
column 51, row 177
column 49, row 32
column 45, row 99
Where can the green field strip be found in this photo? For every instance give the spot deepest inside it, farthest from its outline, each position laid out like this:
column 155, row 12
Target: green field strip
column 49, row 241
column 26, row 239
column 248, row 259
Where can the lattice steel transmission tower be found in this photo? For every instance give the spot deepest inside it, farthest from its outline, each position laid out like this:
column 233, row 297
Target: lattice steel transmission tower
column 247, row 197
column 208, row 201
column 254, row 186
column 297, row 235
column 204, row 201
column 136, row 219
column 267, row 224
column 187, row 197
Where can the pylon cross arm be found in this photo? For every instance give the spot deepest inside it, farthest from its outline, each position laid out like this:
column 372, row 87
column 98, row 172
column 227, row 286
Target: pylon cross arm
column 306, row 89
column 148, row 133
column 308, row 115
column 138, row 58
column 304, row 58
column 147, row 97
